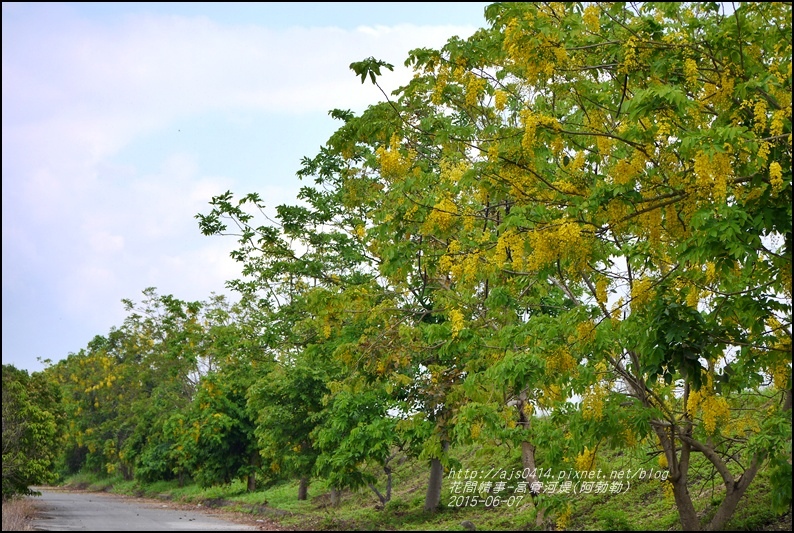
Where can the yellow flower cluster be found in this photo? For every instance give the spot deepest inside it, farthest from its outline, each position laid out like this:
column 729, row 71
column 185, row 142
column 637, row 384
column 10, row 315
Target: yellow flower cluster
column 512, row 243
column 629, row 437
column 691, row 72
column 626, row 170
column 532, row 50
column 714, row 408
column 629, row 55
column 617, row 312
column 576, row 164
column 560, row 362
column 585, row 460
column 642, row 292
column 593, row 403
column 475, row 86
column 711, row 272
column 463, row 269
column 500, row 99
column 561, row 523
column 392, row 163
column 712, row 174
column 759, row 115
column 776, row 177
column 601, row 290
column 442, row 79
column 468, row 268
column 652, row 223
column 777, row 123
column 493, row 155
column 452, row 171
column 693, row 297
column 531, row 122
column 456, row 322
column 662, row 130
column 741, row 425
column 669, row 496
column 590, row 18
column 585, row 332
column 553, row 243
column 442, row 216
column 763, row 151
column 721, row 94
column 551, row 394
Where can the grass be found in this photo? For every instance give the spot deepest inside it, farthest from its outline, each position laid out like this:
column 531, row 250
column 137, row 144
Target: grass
column 643, row 506
column 18, row 514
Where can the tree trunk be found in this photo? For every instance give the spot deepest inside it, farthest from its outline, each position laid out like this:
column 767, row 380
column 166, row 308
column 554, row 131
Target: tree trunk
column 527, row 448
column 731, row 500
column 303, row 488
column 253, row 462
column 336, row 497
column 433, row 496
column 683, row 502
column 528, row 457
column 678, row 465
column 388, row 483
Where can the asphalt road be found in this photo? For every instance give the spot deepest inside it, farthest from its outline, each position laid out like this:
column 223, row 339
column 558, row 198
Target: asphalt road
column 62, row 510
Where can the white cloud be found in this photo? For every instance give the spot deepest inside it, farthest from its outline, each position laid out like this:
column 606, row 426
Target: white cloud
column 103, row 242
column 76, row 94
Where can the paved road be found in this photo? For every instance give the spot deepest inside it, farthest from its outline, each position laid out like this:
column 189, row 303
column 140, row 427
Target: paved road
column 62, row 510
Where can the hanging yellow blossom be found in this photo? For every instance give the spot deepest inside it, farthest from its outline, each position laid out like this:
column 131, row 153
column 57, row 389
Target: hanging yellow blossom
column 442, row 216
column 759, row 115
column 392, row 163
column 500, row 99
column 601, row 290
column 585, row 460
column 455, row 321
column 590, row 18
column 712, row 174
column 641, row 292
column 715, row 408
column 691, row 72
column 776, row 177
column 475, row 86
column 593, row 403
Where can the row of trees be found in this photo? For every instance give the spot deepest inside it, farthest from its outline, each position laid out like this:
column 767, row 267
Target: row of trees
column 576, row 203
column 570, row 231
column 32, row 417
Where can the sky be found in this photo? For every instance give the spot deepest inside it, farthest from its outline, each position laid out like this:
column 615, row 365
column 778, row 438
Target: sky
column 122, row 120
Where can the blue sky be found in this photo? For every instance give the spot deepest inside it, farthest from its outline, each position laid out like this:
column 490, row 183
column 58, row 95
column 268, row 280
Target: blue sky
column 122, row 120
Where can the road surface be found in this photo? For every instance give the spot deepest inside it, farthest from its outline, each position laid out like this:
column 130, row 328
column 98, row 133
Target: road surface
column 63, row 510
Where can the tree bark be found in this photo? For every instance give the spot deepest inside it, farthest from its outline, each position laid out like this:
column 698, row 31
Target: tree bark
column 303, row 488
column 388, row 483
column 528, row 455
column 678, row 465
column 253, row 462
column 433, row 495
column 336, row 497
column 732, row 497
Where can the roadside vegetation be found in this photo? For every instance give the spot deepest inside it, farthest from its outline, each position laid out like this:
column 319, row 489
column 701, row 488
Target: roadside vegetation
column 563, row 247
column 18, row 513
column 646, row 505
